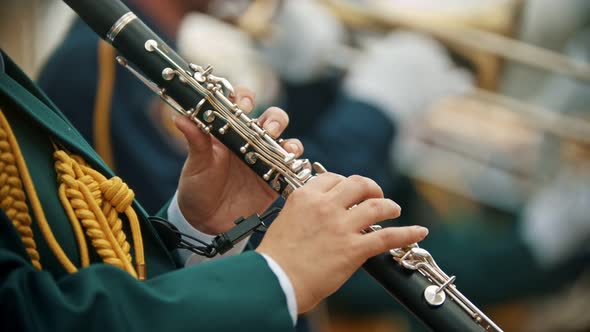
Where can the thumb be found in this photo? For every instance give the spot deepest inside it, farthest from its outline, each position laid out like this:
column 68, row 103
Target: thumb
column 199, row 144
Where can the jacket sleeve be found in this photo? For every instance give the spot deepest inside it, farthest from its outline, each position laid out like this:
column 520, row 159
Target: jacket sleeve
column 233, row 294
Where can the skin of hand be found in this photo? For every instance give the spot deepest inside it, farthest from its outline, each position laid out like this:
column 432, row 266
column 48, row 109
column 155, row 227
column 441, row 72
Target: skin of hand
column 317, row 238
column 319, row 231
column 215, row 186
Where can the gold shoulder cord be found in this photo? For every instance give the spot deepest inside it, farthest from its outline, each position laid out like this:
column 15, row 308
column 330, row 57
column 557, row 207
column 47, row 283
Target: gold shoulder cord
column 12, row 196
column 102, row 104
column 101, row 121
column 91, row 201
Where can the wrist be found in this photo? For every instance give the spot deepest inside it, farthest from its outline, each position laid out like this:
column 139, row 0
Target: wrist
column 301, row 297
column 203, row 224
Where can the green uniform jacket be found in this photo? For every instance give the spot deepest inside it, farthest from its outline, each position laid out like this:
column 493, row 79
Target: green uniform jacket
column 240, row 293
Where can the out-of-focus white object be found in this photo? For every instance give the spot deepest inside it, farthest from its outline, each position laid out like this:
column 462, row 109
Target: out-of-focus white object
column 556, row 223
column 31, row 29
column 305, row 36
column 562, row 93
column 403, row 73
column 488, row 15
column 549, row 24
column 203, row 39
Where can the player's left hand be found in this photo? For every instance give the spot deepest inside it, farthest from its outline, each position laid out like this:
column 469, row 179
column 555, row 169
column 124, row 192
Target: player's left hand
column 215, row 186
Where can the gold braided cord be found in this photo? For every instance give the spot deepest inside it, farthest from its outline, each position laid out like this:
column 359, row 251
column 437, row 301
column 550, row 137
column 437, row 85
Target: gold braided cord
column 92, row 203
column 12, row 196
column 75, row 201
column 34, row 201
column 78, row 232
column 120, row 198
column 96, row 203
column 110, row 212
column 102, row 104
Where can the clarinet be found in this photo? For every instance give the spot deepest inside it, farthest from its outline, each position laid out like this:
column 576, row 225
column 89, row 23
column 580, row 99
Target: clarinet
column 409, row 274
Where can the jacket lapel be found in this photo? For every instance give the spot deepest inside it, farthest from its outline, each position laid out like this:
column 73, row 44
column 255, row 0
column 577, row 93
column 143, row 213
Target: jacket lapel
column 51, row 120
column 33, row 102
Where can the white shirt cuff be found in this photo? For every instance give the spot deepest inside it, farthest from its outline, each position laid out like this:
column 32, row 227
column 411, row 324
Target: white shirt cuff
column 187, row 257
column 285, row 285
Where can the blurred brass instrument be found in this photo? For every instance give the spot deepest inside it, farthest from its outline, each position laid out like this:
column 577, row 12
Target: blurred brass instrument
column 480, row 35
column 510, row 133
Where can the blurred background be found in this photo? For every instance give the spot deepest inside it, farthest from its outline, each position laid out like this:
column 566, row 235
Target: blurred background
column 473, row 115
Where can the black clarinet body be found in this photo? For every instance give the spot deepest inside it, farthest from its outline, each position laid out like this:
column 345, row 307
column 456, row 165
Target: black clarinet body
column 408, row 286
column 409, row 274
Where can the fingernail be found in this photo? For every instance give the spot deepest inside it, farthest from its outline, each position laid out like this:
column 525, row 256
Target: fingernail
column 245, row 104
column 396, row 205
column 273, row 128
column 293, row 148
column 423, row 231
